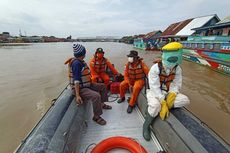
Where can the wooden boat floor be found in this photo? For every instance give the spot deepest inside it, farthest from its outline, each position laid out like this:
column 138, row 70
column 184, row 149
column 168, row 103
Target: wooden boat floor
column 119, row 123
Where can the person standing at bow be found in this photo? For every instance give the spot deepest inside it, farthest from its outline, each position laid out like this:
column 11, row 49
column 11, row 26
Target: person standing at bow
column 165, row 81
column 82, row 86
column 134, row 76
column 98, row 66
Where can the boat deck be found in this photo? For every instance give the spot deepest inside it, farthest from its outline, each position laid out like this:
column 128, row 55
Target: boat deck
column 119, row 123
column 68, row 128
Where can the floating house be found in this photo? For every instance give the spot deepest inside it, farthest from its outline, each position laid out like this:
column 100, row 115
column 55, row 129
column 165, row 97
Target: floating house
column 222, row 28
column 210, row 46
column 182, row 30
column 147, row 41
column 127, row 39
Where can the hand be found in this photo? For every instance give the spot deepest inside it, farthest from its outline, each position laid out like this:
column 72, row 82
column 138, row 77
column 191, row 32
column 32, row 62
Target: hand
column 79, row 100
column 96, row 76
column 164, row 113
column 119, row 77
column 170, row 99
column 98, row 79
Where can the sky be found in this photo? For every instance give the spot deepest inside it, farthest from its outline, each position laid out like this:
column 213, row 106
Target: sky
column 88, row 18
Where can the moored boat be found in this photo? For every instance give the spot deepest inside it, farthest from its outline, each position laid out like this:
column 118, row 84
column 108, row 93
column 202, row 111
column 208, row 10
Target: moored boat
column 139, row 44
column 212, row 51
column 148, row 41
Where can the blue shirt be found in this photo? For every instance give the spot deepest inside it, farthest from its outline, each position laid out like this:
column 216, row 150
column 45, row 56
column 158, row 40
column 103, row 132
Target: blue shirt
column 77, row 67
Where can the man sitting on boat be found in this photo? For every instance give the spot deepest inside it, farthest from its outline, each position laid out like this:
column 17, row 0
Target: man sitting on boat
column 134, row 76
column 82, row 86
column 165, row 81
column 98, row 66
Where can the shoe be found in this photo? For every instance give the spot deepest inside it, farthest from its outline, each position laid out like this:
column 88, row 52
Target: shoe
column 120, row 100
column 129, row 109
column 146, row 127
column 99, row 120
column 104, row 106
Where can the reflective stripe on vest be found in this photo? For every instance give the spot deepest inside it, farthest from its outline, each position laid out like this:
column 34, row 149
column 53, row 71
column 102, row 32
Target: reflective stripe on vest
column 99, row 67
column 136, row 73
column 85, row 75
column 165, row 80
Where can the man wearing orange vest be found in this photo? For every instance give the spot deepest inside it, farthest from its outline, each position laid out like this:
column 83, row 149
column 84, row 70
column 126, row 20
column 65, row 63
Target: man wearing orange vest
column 98, row 65
column 134, row 76
column 82, row 86
column 165, row 81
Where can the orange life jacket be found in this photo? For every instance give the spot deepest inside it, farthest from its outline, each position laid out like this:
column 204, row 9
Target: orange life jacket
column 136, row 73
column 99, row 67
column 85, row 74
column 165, row 80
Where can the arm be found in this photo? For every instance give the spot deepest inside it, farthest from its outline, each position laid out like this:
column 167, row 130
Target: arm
column 176, row 84
column 126, row 74
column 77, row 91
column 76, row 68
column 111, row 67
column 91, row 67
column 145, row 68
column 154, row 82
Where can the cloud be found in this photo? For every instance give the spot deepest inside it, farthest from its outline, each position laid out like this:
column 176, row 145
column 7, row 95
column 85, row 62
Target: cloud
column 100, row 17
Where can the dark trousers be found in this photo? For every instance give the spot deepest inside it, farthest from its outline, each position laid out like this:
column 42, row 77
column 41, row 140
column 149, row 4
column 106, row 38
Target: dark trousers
column 97, row 93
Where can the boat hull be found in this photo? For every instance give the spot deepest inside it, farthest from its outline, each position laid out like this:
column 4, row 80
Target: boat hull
column 217, row 60
column 212, row 51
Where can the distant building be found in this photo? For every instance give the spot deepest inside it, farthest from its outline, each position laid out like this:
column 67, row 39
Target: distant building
column 4, row 37
column 34, row 39
column 99, row 39
column 222, row 28
column 181, row 30
column 6, row 34
column 53, row 39
column 130, row 39
column 147, row 41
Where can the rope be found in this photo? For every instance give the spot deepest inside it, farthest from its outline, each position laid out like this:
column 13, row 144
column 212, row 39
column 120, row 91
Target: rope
column 86, row 150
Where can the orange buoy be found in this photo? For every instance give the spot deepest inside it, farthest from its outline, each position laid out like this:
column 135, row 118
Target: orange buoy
column 119, row 142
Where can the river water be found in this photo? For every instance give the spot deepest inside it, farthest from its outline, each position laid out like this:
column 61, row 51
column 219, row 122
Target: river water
column 31, row 76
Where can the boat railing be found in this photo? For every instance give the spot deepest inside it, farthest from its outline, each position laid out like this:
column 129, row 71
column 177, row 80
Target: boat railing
column 209, row 38
column 212, row 46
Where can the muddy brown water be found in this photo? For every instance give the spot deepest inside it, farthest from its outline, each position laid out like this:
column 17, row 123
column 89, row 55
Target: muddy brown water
column 31, row 76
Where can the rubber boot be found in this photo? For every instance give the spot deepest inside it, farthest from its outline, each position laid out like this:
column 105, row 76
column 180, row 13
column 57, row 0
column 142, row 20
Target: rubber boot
column 146, row 127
